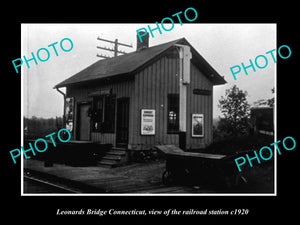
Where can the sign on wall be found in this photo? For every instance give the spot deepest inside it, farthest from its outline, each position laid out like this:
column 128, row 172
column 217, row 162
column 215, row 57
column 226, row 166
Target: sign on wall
column 197, row 125
column 147, row 122
column 69, row 113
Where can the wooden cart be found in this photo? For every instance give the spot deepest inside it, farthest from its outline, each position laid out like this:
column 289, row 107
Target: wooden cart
column 199, row 167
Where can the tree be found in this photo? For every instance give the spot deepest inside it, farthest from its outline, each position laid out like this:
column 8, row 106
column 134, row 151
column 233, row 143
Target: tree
column 236, row 111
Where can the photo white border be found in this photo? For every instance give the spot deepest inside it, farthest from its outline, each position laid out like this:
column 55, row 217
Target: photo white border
column 24, row 32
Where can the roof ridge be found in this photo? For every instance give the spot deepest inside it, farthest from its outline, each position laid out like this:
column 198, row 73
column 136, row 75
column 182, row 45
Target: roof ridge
column 159, row 45
column 129, row 63
column 103, row 67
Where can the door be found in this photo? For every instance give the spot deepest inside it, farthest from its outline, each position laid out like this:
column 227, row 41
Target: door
column 122, row 122
column 83, row 124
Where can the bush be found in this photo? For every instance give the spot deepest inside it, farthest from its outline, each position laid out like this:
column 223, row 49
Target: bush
column 144, row 155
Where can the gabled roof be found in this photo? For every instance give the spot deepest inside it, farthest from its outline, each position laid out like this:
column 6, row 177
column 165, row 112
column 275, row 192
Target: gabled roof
column 129, row 63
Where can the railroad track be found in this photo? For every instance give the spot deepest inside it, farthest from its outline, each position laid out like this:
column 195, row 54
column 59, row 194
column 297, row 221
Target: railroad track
column 55, row 188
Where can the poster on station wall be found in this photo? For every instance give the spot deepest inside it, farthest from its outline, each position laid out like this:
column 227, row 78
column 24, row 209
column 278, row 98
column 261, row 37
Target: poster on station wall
column 197, row 125
column 69, row 113
column 147, row 122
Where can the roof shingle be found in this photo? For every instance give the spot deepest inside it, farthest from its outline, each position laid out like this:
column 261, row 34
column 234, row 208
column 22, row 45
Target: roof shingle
column 127, row 63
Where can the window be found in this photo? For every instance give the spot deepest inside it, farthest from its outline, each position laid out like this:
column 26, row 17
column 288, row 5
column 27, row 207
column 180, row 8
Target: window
column 103, row 114
column 97, row 113
column 173, row 113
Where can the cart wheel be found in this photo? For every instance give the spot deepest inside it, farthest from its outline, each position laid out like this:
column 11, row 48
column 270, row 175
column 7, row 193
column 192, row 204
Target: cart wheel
column 167, row 177
column 235, row 181
column 240, row 180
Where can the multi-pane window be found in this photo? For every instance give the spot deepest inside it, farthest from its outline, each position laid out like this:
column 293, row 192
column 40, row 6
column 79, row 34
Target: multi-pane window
column 103, row 114
column 173, row 113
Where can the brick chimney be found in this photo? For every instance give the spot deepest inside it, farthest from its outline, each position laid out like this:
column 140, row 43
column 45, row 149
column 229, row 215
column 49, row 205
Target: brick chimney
column 145, row 44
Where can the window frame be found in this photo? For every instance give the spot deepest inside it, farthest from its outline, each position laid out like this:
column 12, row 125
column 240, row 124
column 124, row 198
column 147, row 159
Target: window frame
column 173, row 129
column 106, row 126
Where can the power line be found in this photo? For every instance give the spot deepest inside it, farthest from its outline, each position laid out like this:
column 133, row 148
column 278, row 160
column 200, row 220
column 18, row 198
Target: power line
column 115, row 49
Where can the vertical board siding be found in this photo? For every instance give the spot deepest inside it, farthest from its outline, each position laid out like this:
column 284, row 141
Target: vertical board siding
column 152, row 85
column 199, row 104
column 80, row 93
column 149, row 90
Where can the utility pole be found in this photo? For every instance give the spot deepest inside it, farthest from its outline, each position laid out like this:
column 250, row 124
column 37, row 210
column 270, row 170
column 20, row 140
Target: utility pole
column 115, row 49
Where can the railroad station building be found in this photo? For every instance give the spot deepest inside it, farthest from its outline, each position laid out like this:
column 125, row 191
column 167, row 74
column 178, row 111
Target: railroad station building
column 144, row 98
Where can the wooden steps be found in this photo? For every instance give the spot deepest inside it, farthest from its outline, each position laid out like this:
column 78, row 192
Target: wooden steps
column 113, row 158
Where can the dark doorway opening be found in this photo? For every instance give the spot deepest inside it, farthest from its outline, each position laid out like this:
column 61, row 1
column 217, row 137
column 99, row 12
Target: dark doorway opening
column 84, row 124
column 122, row 122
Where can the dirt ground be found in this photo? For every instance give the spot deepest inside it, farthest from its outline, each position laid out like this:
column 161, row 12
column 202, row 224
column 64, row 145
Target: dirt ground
column 259, row 178
column 148, row 174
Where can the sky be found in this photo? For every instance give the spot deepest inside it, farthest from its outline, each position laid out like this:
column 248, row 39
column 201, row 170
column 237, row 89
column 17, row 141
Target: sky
column 222, row 45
